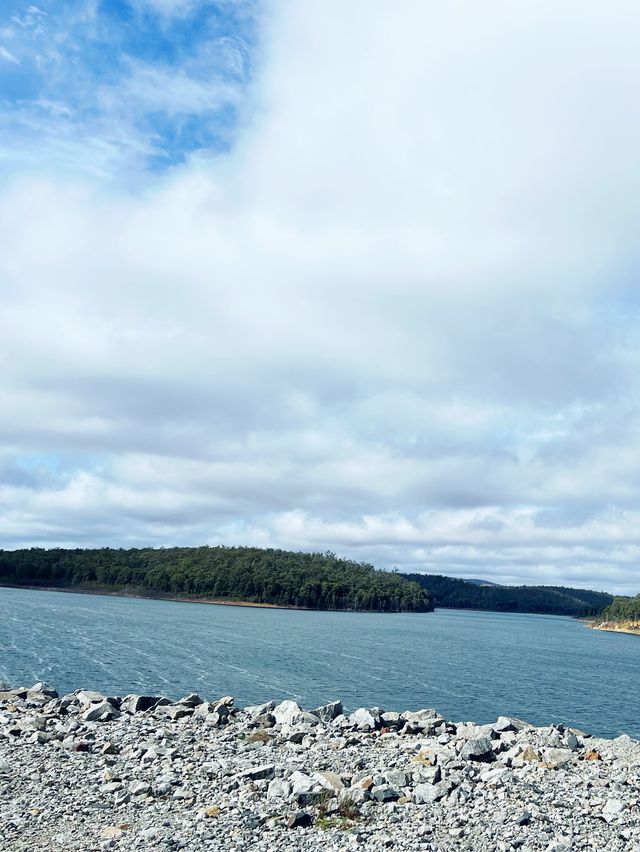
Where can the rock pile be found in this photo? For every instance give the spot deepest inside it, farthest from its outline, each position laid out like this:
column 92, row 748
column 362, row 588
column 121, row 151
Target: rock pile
column 87, row 771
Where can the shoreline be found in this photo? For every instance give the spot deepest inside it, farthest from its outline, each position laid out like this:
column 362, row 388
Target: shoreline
column 630, row 628
column 87, row 771
column 104, row 592
column 159, row 596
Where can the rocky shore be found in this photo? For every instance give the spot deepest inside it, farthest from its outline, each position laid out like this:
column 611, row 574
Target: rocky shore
column 90, row 772
column 632, row 627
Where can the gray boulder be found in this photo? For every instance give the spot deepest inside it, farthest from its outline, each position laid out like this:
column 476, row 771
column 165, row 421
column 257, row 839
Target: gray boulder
column 104, row 711
column 289, row 713
column 301, row 783
column 425, row 794
column 312, row 798
column 142, row 703
column 385, row 793
column 509, row 723
column 558, row 756
column 259, row 773
column 422, row 721
column 301, row 819
column 86, row 697
column 278, row 788
column 191, row 700
column 255, row 710
column 396, row 777
column 364, row 720
column 427, row 774
column 329, row 780
column 328, row 712
column 139, row 788
column 480, row 749
column 286, row 712
column 173, row 711
column 42, row 688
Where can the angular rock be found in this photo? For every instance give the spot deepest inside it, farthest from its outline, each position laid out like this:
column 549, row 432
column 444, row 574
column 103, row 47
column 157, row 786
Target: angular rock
column 265, row 720
column 101, row 712
column 558, row 756
column 424, row 794
column 255, row 710
column 257, row 773
column 422, row 721
column 301, row 783
column 311, row 798
column 509, row 723
column 364, row 719
column 329, row 780
column 301, row 819
column 479, row 749
column 191, row 700
column 328, row 712
column 612, row 809
column 396, row 777
column 495, row 777
column 286, row 712
column 173, row 711
column 279, row 788
column 139, row 788
column 85, row 697
column 42, row 688
column 385, row 793
column 353, row 797
column 427, row 774
column 141, row 703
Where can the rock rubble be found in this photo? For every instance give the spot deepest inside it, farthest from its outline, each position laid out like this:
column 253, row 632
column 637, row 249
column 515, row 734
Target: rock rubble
column 87, row 771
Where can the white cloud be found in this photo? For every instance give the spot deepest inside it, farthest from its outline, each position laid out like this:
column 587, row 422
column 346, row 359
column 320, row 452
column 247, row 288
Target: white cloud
column 170, row 8
column 398, row 320
column 7, row 56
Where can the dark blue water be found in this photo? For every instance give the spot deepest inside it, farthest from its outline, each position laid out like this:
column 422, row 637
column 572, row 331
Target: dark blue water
column 469, row 665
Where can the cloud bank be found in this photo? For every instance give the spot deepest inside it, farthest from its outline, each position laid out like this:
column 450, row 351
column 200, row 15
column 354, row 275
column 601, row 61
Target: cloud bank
column 386, row 304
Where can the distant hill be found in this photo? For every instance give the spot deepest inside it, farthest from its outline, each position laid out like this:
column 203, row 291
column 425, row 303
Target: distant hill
column 479, row 582
column 552, row 600
column 248, row 574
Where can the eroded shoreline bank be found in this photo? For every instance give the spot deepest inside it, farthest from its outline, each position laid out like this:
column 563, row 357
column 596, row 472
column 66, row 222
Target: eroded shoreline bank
column 86, row 771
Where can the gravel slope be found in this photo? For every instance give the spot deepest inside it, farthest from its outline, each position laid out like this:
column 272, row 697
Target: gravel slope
column 86, row 772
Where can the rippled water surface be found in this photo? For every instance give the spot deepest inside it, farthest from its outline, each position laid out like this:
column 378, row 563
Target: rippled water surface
column 469, row 665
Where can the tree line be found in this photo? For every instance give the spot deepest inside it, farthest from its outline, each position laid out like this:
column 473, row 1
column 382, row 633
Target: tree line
column 254, row 575
column 552, row 600
column 622, row 609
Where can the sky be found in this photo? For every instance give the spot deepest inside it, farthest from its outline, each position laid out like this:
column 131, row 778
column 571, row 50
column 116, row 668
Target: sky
column 359, row 277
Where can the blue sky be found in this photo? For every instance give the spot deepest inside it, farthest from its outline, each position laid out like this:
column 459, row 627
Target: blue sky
column 144, row 84
column 359, row 277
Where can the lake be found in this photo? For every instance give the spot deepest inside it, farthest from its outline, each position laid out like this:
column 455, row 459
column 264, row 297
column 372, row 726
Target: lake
column 469, row 665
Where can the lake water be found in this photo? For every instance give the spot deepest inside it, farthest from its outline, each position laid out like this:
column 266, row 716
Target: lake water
column 469, row 665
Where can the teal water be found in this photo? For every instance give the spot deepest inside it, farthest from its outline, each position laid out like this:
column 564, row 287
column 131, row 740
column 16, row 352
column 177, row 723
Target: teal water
column 469, row 665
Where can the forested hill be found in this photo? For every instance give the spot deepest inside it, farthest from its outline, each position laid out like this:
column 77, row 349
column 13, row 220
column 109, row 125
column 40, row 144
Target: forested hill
column 312, row 580
column 552, row 600
column 622, row 609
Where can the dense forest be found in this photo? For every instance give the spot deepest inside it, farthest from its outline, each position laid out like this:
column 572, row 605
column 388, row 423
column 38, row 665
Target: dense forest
column 552, row 600
column 622, row 609
column 312, row 580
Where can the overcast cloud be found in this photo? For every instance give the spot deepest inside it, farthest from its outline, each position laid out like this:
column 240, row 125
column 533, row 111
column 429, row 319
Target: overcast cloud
column 351, row 276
